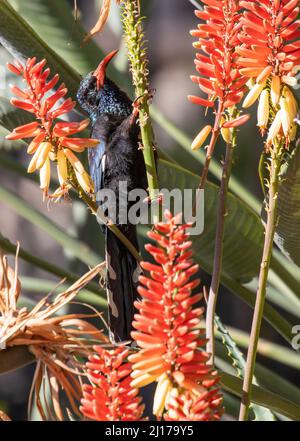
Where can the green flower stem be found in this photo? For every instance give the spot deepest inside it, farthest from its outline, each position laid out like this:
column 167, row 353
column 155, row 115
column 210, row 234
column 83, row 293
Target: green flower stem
column 262, row 282
column 219, row 245
column 132, row 24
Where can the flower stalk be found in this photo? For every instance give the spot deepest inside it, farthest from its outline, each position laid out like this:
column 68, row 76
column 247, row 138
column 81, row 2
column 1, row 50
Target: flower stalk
column 272, row 217
column 137, row 54
column 219, row 245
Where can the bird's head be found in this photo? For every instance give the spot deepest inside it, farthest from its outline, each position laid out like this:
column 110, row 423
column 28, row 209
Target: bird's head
column 98, row 95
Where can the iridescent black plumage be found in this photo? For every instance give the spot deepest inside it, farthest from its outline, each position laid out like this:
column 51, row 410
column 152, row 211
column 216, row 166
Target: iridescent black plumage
column 116, row 158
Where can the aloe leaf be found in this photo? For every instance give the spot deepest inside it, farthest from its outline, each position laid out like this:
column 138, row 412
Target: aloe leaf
column 267, row 377
column 267, row 348
column 78, row 249
column 242, row 245
column 9, row 248
column 287, row 235
column 239, row 363
column 262, row 397
column 42, row 286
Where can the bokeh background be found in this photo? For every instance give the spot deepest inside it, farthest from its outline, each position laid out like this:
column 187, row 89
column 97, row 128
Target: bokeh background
column 171, row 63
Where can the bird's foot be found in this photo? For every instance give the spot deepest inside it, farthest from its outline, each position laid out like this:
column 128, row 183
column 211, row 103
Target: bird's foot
column 158, row 199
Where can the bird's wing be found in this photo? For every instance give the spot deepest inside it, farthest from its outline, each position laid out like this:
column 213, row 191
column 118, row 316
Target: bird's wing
column 97, row 164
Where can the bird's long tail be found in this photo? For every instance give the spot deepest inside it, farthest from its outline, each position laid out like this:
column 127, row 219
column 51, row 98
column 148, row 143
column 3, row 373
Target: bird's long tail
column 121, row 284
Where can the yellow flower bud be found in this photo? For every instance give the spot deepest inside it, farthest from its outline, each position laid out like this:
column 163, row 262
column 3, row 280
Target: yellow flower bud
column 225, row 132
column 275, row 90
column 293, row 132
column 291, row 103
column 32, row 165
column 84, row 181
column 263, row 110
column 163, row 387
column 45, row 175
column 286, row 116
column 275, row 128
column 76, row 164
column 253, row 95
column 141, row 380
column 290, row 81
column 43, row 155
column 62, row 169
column 201, row 138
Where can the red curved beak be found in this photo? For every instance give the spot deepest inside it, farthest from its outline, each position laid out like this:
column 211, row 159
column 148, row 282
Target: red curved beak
column 101, row 69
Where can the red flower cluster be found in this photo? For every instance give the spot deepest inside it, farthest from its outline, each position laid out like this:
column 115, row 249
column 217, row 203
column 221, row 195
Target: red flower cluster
column 270, row 29
column 51, row 140
column 206, row 407
column 218, row 37
column 110, row 397
column 168, row 325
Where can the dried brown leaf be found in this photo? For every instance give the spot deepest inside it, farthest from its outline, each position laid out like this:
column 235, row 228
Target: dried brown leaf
column 103, row 16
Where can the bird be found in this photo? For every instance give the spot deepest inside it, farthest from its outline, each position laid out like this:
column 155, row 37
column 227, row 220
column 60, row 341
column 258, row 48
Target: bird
column 117, row 158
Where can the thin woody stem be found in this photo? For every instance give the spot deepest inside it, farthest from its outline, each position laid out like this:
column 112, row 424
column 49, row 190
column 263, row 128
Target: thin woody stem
column 209, row 154
column 211, row 147
column 219, row 245
column 262, row 283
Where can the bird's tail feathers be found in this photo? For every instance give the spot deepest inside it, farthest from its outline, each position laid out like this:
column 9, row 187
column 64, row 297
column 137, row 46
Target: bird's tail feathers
column 121, row 285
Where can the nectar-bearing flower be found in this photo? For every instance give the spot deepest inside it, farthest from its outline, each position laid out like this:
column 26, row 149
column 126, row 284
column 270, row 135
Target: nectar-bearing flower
column 52, row 140
column 219, row 77
column 270, row 55
column 185, row 407
column 167, row 324
column 269, row 49
column 110, row 397
column 216, row 63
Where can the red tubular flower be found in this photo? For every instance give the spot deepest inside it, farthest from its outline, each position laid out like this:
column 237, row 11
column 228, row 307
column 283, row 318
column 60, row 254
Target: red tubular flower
column 206, row 407
column 50, row 138
column 110, row 397
column 167, row 323
column 270, row 55
column 270, row 29
column 218, row 37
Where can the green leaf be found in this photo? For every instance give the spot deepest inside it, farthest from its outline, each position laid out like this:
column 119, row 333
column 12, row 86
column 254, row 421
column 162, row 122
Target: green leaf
column 267, row 377
column 11, row 117
column 267, row 348
column 243, row 236
column 287, row 235
column 64, row 36
column 242, row 244
column 72, row 244
column 42, row 286
column 239, row 363
column 262, row 397
column 194, row 160
column 9, row 248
